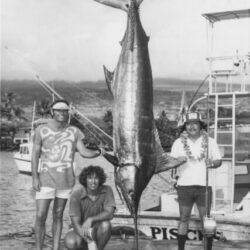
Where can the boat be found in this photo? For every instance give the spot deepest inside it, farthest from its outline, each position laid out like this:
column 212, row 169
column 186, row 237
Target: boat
column 228, row 96
column 22, row 157
column 22, row 136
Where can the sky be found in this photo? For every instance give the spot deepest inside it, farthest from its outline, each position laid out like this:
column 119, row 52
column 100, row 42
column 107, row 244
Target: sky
column 73, row 39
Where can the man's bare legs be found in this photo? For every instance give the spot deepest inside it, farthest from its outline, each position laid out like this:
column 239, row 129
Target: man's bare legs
column 58, row 209
column 202, row 213
column 42, row 208
column 103, row 234
column 185, row 212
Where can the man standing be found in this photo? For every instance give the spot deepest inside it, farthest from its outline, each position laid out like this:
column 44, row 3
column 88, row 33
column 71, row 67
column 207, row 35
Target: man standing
column 91, row 209
column 55, row 144
column 193, row 146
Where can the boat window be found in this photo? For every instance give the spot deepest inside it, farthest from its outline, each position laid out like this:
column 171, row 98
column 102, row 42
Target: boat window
column 26, row 151
column 241, row 170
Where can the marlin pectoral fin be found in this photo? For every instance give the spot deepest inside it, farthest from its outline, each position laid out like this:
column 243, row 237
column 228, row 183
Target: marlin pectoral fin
column 109, row 79
column 112, row 159
column 164, row 161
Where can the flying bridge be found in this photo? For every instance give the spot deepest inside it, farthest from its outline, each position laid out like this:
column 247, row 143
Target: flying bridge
column 228, row 95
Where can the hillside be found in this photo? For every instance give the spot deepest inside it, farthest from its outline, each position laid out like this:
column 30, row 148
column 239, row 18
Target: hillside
column 165, row 90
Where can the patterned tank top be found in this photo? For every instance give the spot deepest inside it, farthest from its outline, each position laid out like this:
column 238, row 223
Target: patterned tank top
column 57, row 156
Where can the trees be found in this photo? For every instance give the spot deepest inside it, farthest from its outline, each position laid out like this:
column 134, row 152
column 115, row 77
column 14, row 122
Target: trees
column 167, row 130
column 108, row 120
column 9, row 110
column 12, row 117
column 43, row 108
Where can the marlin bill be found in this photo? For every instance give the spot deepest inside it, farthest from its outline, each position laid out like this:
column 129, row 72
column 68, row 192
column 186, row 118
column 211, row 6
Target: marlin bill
column 137, row 149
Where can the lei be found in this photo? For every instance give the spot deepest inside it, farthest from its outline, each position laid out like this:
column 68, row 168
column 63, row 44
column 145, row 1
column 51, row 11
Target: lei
column 204, row 144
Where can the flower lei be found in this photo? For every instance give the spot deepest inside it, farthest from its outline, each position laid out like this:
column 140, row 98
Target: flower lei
column 204, row 144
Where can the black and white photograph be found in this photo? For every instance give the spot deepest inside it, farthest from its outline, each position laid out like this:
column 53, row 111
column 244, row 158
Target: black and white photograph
column 125, row 124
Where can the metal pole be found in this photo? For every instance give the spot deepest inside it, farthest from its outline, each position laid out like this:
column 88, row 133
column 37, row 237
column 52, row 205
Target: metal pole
column 207, row 157
column 205, row 242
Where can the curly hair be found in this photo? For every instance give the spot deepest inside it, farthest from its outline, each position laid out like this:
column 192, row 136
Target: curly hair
column 90, row 170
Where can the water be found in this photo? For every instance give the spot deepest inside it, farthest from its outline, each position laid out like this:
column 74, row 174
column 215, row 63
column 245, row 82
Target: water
column 16, row 198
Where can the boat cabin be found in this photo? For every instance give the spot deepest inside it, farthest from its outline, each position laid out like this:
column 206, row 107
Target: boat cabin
column 22, row 136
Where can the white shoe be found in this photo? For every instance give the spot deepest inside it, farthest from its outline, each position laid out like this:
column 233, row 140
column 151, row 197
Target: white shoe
column 92, row 245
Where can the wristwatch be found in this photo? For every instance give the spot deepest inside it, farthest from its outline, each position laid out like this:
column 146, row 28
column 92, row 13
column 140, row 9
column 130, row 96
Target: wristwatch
column 100, row 151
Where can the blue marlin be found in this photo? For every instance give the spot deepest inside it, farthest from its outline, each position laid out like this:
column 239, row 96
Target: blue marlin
column 137, row 149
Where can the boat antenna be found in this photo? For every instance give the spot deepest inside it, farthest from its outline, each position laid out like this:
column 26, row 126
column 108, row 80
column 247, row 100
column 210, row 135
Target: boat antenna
column 197, row 91
column 33, row 115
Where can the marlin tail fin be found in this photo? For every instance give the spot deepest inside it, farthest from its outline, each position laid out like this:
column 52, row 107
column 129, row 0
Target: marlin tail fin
column 119, row 4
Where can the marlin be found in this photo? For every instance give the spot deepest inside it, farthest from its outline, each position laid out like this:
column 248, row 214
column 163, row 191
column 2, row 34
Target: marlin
column 138, row 154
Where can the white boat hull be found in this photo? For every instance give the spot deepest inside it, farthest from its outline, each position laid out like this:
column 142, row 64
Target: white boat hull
column 23, row 164
column 161, row 227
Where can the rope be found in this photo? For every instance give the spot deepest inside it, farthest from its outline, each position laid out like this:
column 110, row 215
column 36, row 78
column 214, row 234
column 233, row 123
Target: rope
column 21, row 234
column 96, row 134
column 27, row 236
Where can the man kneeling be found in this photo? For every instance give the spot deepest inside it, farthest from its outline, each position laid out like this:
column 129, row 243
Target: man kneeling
column 91, row 208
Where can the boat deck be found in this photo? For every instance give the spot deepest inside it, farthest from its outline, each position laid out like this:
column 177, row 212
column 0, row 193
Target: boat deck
column 27, row 243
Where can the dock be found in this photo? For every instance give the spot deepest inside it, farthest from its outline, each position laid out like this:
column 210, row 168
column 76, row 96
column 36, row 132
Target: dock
column 28, row 243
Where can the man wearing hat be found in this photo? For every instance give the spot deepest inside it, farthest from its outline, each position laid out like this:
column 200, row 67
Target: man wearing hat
column 193, row 145
column 55, row 144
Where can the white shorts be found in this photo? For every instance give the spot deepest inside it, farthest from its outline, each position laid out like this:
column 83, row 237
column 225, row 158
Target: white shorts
column 51, row 193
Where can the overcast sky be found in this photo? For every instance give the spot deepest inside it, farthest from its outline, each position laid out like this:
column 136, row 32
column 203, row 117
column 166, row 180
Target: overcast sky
column 72, row 39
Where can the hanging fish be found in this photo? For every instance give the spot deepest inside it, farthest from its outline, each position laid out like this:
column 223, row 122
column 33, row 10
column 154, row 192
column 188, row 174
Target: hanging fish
column 137, row 149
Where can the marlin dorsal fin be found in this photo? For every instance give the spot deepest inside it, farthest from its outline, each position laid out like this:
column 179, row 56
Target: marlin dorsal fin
column 109, row 79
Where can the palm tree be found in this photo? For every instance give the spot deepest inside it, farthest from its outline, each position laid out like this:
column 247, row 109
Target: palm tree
column 9, row 110
column 12, row 116
column 7, row 105
column 43, row 108
column 167, row 130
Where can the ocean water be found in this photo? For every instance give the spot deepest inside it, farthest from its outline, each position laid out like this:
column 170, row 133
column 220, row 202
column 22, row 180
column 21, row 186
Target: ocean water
column 17, row 204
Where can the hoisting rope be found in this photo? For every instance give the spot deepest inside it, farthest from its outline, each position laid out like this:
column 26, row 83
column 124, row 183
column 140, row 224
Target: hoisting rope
column 21, row 235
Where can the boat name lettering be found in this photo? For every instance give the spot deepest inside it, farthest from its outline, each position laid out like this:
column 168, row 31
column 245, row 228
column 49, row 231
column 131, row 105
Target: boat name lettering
column 170, row 233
